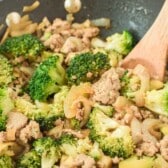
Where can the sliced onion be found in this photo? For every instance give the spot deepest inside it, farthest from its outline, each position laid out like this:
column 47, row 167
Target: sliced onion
column 136, row 130
column 98, row 43
column 31, row 7
column 6, row 34
column 146, row 126
column 81, row 92
column 20, row 26
column 25, row 18
column 101, row 22
column 144, row 77
column 28, row 30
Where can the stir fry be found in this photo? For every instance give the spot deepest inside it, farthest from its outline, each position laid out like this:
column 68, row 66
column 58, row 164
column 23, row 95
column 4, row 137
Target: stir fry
column 65, row 102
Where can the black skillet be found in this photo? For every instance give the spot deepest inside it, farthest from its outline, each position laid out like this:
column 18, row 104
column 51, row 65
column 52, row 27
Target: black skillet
column 133, row 15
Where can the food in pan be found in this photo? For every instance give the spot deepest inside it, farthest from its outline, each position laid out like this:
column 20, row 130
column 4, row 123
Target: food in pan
column 65, row 102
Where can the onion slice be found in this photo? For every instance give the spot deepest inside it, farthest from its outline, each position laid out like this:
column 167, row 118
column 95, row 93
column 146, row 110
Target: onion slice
column 136, row 130
column 31, row 7
column 147, row 125
column 101, row 22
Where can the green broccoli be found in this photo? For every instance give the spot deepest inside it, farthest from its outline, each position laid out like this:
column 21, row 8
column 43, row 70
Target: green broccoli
column 3, row 121
column 49, row 151
column 26, row 45
column 108, row 110
column 86, row 67
column 157, row 100
column 75, row 123
column 6, row 103
column 68, row 144
column 115, row 58
column 72, row 146
column 46, row 114
column 46, row 118
column 6, row 162
column 47, row 79
column 113, row 139
column 30, row 159
column 6, row 70
column 129, row 85
column 96, row 152
column 121, row 43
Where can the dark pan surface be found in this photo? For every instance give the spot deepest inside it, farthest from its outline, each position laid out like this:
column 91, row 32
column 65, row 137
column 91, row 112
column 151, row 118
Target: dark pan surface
column 134, row 15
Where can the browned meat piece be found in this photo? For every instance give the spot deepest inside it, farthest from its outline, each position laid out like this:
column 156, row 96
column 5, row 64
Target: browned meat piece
column 164, row 147
column 147, row 148
column 58, row 26
column 67, row 37
column 86, row 32
column 106, row 90
column 3, row 136
column 72, row 44
column 55, row 42
column 31, row 131
column 81, row 160
column 85, row 161
column 15, row 122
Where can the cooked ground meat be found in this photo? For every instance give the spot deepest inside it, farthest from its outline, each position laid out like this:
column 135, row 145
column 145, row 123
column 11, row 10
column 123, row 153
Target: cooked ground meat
column 3, row 136
column 164, row 147
column 16, row 120
column 67, row 37
column 85, row 161
column 55, row 42
column 106, row 90
column 79, row 161
column 148, row 148
column 72, row 44
column 31, row 131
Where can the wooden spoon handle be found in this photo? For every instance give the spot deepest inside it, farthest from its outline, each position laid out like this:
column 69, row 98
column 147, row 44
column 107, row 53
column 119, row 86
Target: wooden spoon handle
column 151, row 51
column 160, row 26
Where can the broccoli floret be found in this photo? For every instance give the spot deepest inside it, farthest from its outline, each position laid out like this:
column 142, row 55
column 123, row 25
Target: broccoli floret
column 135, row 83
column 129, row 85
column 96, row 152
column 6, row 162
column 49, row 151
column 157, row 100
column 68, row 144
column 113, row 139
column 115, row 58
column 108, row 110
column 45, row 114
column 26, row 45
column 47, row 79
column 75, row 123
column 121, row 43
column 72, row 146
column 86, row 67
column 6, row 103
column 3, row 121
column 30, row 159
column 6, row 69
column 56, row 110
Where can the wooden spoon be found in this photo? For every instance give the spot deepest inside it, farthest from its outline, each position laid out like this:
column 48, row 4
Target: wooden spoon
column 151, row 51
